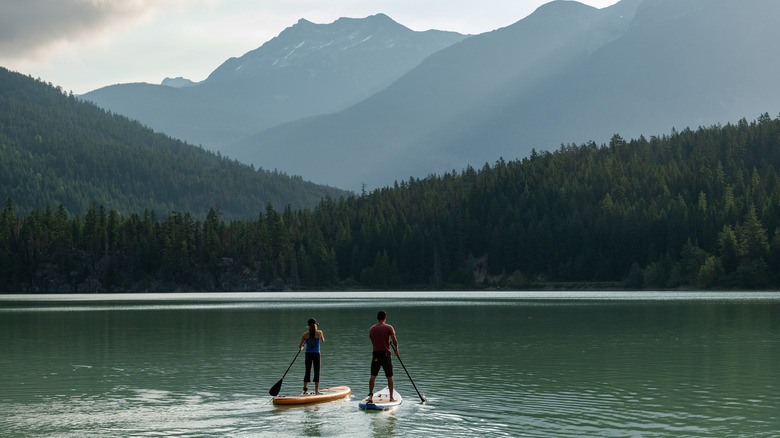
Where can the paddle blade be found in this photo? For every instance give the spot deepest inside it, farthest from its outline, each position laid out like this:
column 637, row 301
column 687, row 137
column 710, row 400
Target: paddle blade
column 274, row 391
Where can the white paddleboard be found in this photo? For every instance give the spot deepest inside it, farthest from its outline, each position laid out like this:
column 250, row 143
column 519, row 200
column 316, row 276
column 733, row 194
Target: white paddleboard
column 381, row 401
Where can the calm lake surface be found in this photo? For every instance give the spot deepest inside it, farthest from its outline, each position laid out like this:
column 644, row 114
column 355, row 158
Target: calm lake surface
column 537, row 364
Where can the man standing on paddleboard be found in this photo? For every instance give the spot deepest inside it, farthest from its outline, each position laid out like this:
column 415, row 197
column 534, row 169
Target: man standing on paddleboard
column 381, row 334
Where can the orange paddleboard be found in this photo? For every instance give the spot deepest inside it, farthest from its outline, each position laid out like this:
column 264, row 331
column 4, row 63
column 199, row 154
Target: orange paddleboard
column 328, row 394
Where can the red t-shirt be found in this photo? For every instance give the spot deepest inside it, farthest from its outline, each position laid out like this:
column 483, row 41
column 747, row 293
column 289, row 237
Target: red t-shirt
column 380, row 336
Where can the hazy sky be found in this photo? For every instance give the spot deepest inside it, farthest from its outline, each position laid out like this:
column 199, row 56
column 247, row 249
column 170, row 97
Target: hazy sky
column 82, row 45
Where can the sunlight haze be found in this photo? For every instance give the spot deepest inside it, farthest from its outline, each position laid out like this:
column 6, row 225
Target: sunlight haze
column 82, row 45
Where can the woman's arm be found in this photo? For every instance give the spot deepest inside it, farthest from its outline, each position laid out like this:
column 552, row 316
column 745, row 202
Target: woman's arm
column 303, row 339
column 321, row 335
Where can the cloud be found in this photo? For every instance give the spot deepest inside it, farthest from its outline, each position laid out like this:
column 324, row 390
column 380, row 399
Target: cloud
column 30, row 26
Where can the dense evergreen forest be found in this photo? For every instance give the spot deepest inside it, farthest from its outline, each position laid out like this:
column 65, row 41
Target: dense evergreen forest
column 692, row 209
column 58, row 150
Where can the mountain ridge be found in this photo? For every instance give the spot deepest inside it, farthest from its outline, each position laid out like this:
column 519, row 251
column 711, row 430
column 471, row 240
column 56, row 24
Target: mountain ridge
column 429, row 99
column 670, row 63
column 285, row 49
column 238, row 102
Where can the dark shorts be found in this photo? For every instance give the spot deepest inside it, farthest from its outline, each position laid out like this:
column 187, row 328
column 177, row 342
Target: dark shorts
column 384, row 360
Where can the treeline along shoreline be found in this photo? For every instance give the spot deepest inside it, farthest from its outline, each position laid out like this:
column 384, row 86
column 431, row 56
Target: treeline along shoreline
column 692, row 209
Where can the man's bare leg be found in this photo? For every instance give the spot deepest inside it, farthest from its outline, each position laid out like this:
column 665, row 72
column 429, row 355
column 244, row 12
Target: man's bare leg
column 390, row 387
column 371, row 389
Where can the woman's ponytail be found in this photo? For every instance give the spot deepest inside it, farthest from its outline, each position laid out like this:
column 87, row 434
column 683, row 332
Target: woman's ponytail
column 312, row 329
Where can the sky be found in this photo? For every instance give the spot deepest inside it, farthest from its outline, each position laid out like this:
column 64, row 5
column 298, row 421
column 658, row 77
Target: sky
column 83, row 45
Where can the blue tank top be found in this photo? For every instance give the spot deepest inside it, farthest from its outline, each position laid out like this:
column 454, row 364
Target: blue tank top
column 313, row 345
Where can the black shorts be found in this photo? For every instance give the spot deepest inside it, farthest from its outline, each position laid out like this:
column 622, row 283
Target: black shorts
column 384, row 360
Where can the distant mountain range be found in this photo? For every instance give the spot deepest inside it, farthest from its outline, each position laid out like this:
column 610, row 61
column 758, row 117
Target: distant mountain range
column 309, row 69
column 568, row 73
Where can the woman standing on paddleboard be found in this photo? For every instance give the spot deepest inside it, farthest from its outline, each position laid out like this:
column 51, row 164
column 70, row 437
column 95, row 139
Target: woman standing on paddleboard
column 312, row 338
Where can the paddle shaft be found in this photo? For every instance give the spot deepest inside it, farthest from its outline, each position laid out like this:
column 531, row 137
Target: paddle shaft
column 291, row 363
column 407, row 373
column 274, row 391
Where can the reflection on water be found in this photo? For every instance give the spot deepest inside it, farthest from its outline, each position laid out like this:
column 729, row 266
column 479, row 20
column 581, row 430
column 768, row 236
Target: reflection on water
column 498, row 364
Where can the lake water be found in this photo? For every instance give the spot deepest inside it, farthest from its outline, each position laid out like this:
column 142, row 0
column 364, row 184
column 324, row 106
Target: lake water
column 537, row 364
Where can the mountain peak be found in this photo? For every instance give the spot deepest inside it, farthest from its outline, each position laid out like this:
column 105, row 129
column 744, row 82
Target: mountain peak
column 177, row 82
column 298, row 43
column 371, row 24
column 380, row 19
column 561, row 10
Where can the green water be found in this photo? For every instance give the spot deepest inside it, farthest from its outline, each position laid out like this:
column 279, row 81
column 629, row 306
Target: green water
column 538, row 364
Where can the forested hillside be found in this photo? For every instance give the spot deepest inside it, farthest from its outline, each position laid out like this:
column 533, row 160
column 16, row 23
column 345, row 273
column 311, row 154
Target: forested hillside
column 57, row 150
column 697, row 209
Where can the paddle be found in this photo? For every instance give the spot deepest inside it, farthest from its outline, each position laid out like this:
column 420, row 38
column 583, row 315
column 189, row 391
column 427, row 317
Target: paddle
column 407, row 373
column 274, row 391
